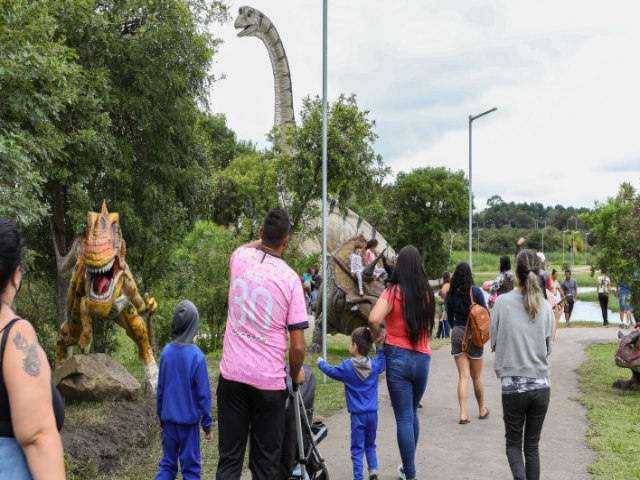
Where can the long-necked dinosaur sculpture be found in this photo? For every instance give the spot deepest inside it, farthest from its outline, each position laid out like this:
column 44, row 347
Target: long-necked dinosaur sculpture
column 342, row 223
column 254, row 23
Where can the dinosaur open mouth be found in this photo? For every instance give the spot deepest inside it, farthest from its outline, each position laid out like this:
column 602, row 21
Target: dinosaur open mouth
column 621, row 362
column 102, row 280
column 246, row 29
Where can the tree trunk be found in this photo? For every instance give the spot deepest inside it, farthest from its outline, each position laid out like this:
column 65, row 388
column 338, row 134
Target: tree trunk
column 65, row 258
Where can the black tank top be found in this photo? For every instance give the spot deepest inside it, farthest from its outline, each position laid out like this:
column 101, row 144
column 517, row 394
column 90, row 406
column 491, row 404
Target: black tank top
column 6, row 429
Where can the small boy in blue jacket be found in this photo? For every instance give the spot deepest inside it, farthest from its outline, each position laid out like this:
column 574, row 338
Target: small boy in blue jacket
column 360, row 377
column 183, row 397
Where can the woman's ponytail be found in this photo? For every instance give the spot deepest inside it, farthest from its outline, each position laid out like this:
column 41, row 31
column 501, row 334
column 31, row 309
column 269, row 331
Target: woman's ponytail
column 528, row 273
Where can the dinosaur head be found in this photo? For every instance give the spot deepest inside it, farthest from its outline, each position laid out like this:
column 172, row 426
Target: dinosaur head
column 628, row 352
column 104, row 253
column 251, row 21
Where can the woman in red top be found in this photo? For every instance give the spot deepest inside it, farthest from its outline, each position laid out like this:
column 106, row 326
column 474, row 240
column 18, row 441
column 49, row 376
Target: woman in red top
column 408, row 309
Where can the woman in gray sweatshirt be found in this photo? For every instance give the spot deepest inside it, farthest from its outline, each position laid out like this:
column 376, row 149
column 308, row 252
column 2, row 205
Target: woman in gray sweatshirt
column 522, row 324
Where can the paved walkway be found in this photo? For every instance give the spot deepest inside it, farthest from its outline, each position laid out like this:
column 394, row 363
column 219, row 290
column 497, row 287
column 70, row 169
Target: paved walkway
column 476, row 451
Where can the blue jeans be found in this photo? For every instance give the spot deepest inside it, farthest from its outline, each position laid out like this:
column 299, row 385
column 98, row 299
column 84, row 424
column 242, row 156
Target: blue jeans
column 407, row 375
column 444, row 329
column 13, row 465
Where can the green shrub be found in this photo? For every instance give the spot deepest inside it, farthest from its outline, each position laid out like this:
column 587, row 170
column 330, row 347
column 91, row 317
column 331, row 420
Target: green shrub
column 198, row 270
column 37, row 303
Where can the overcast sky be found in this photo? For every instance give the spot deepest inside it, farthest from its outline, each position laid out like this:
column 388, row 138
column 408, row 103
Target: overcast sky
column 565, row 76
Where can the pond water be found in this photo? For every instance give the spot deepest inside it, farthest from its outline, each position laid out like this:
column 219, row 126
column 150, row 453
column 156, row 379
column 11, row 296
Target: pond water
column 589, row 311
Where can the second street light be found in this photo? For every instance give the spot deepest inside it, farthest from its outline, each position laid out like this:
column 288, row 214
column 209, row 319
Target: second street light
column 573, row 260
column 471, row 119
column 545, row 227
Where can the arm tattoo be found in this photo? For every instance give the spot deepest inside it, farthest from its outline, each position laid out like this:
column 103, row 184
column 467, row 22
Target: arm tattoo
column 31, row 362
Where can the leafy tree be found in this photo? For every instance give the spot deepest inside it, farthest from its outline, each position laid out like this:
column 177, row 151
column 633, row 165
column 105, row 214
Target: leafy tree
column 222, row 144
column 39, row 79
column 428, row 202
column 104, row 100
column 616, row 225
column 376, row 210
column 353, row 167
column 246, row 188
column 198, row 269
column 495, row 201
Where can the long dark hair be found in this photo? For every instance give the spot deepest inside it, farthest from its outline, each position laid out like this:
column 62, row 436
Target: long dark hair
column 461, row 282
column 418, row 307
column 505, row 264
column 10, row 251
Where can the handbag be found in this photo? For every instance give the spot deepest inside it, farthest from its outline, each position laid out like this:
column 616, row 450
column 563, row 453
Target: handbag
column 479, row 323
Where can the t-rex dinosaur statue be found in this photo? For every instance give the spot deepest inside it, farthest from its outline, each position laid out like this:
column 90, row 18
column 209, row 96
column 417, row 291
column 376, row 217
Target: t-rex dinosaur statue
column 628, row 356
column 102, row 288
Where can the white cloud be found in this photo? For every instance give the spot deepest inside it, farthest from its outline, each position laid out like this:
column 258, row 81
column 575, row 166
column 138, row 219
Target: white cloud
column 563, row 75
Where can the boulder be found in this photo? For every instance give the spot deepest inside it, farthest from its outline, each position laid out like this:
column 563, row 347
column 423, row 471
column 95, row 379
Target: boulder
column 95, row 377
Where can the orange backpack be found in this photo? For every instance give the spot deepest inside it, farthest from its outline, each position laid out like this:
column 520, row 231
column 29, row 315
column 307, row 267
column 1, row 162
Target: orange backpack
column 479, row 322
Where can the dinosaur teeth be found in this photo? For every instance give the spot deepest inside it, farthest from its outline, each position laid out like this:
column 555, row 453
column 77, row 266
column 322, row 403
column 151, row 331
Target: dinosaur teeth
column 104, row 269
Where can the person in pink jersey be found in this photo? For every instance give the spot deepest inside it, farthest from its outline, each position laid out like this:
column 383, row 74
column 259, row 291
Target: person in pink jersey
column 266, row 312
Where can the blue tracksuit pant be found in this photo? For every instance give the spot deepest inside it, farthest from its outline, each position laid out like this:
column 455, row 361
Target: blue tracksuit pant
column 180, row 441
column 363, row 439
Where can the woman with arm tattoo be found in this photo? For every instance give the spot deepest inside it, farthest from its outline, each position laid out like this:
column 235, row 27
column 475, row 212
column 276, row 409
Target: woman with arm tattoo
column 30, row 445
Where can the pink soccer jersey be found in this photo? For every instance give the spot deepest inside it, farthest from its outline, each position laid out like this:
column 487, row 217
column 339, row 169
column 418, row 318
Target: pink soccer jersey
column 265, row 302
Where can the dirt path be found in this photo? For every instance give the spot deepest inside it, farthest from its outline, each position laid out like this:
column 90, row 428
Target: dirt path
column 476, row 451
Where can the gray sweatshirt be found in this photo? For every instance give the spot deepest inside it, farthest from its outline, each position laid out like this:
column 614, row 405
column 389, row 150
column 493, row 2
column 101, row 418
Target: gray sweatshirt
column 520, row 344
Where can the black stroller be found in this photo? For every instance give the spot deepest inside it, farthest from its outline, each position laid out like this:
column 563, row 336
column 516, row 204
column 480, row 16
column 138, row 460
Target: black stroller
column 301, row 459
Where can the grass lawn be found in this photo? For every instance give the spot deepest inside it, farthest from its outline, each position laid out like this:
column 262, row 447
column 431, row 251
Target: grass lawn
column 613, row 416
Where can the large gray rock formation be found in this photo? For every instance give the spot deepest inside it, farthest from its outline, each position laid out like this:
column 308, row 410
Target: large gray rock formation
column 95, row 377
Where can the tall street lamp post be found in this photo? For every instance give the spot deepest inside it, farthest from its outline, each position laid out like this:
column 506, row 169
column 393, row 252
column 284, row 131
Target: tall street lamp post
column 471, row 119
column 573, row 241
column 563, row 234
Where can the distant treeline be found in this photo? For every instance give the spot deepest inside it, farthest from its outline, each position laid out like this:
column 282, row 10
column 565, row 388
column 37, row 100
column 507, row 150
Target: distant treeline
column 499, row 214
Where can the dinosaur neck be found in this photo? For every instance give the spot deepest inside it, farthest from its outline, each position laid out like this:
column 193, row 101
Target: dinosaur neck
column 281, row 76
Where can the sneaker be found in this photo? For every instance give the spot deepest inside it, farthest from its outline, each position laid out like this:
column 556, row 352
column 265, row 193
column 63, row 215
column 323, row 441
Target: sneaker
column 373, row 476
column 401, row 472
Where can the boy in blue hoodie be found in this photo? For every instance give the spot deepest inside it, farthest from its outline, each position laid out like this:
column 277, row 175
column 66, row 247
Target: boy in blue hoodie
column 360, row 377
column 183, row 397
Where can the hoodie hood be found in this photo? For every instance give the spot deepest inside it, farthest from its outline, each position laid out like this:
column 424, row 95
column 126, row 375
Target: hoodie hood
column 362, row 367
column 185, row 323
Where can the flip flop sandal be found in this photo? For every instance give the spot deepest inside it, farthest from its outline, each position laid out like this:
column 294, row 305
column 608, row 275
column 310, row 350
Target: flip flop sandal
column 486, row 415
column 465, row 421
